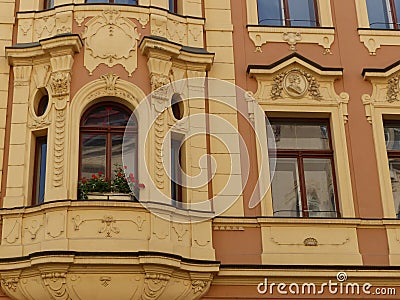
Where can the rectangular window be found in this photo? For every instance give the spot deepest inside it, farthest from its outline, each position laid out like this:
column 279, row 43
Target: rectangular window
column 48, row 4
column 304, row 183
column 383, row 14
column 39, row 179
column 300, row 13
column 173, row 6
column 392, row 138
column 176, row 170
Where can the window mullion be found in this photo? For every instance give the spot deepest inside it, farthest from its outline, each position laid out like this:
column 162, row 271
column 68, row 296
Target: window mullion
column 286, row 14
column 316, row 12
column 393, row 13
column 108, row 155
column 303, row 192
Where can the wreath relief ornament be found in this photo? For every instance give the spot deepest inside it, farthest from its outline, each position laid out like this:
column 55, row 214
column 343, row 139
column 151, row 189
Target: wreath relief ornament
column 296, row 83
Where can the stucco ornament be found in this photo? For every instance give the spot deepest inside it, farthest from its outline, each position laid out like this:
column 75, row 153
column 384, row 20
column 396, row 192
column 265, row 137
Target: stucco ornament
column 393, row 89
column 296, row 83
column 111, row 39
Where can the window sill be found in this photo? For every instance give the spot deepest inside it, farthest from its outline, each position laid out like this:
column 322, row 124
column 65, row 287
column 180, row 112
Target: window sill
column 373, row 39
column 323, row 36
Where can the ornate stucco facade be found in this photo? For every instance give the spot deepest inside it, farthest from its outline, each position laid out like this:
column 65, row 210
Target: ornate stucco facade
column 78, row 55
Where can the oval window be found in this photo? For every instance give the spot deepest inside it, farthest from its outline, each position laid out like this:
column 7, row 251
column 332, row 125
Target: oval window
column 42, row 105
column 177, row 106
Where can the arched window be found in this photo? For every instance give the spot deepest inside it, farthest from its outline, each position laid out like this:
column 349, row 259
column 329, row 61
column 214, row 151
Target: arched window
column 101, row 137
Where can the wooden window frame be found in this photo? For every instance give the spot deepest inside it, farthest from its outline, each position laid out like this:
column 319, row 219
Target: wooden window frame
column 178, row 177
column 391, row 12
column 392, row 154
column 286, row 15
column 108, row 131
column 301, row 154
column 47, row 4
column 39, row 141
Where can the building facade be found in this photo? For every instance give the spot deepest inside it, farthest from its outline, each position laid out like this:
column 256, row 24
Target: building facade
column 301, row 198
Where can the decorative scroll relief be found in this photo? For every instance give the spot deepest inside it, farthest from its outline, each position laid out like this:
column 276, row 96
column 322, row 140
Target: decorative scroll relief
column 296, row 83
column 11, row 284
column 292, row 38
column 56, row 285
column 60, row 86
column 43, row 25
column 200, row 286
column 178, row 30
column 159, row 102
column 308, row 242
column 22, row 75
column 393, row 89
column 11, row 231
column 386, row 92
column 154, row 285
column 260, row 36
column 374, row 39
column 38, row 123
column 108, row 224
column 111, row 39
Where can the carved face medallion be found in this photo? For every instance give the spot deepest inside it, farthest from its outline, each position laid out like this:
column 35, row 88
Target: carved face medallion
column 295, row 84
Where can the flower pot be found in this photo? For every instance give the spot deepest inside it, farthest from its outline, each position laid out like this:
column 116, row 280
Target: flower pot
column 109, row 196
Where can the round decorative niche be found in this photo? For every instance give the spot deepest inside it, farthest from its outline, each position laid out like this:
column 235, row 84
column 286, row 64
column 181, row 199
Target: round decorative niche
column 295, row 84
column 177, row 107
column 41, row 103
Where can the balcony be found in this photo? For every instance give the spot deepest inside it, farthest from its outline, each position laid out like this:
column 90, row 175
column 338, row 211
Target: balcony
column 103, row 250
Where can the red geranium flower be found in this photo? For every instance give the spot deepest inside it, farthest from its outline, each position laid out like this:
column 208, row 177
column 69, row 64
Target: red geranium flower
column 94, row 176
column 100, row 173
column 131, row 177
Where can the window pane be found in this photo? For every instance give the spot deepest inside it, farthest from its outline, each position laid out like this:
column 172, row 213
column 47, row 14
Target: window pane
column 130, row 151
column 302, row 13
column 397, row 10
column 394, row 168
column 172, row 7
column 116, row 152
column 40, row 169
column 378, row 14
column 292, row 135
column 285, row 189
column 176, row 173
column 270, row 12
column 49, row 4
column 392, row 137
column 93, row 154
column 319, row 188
column 107, row 116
